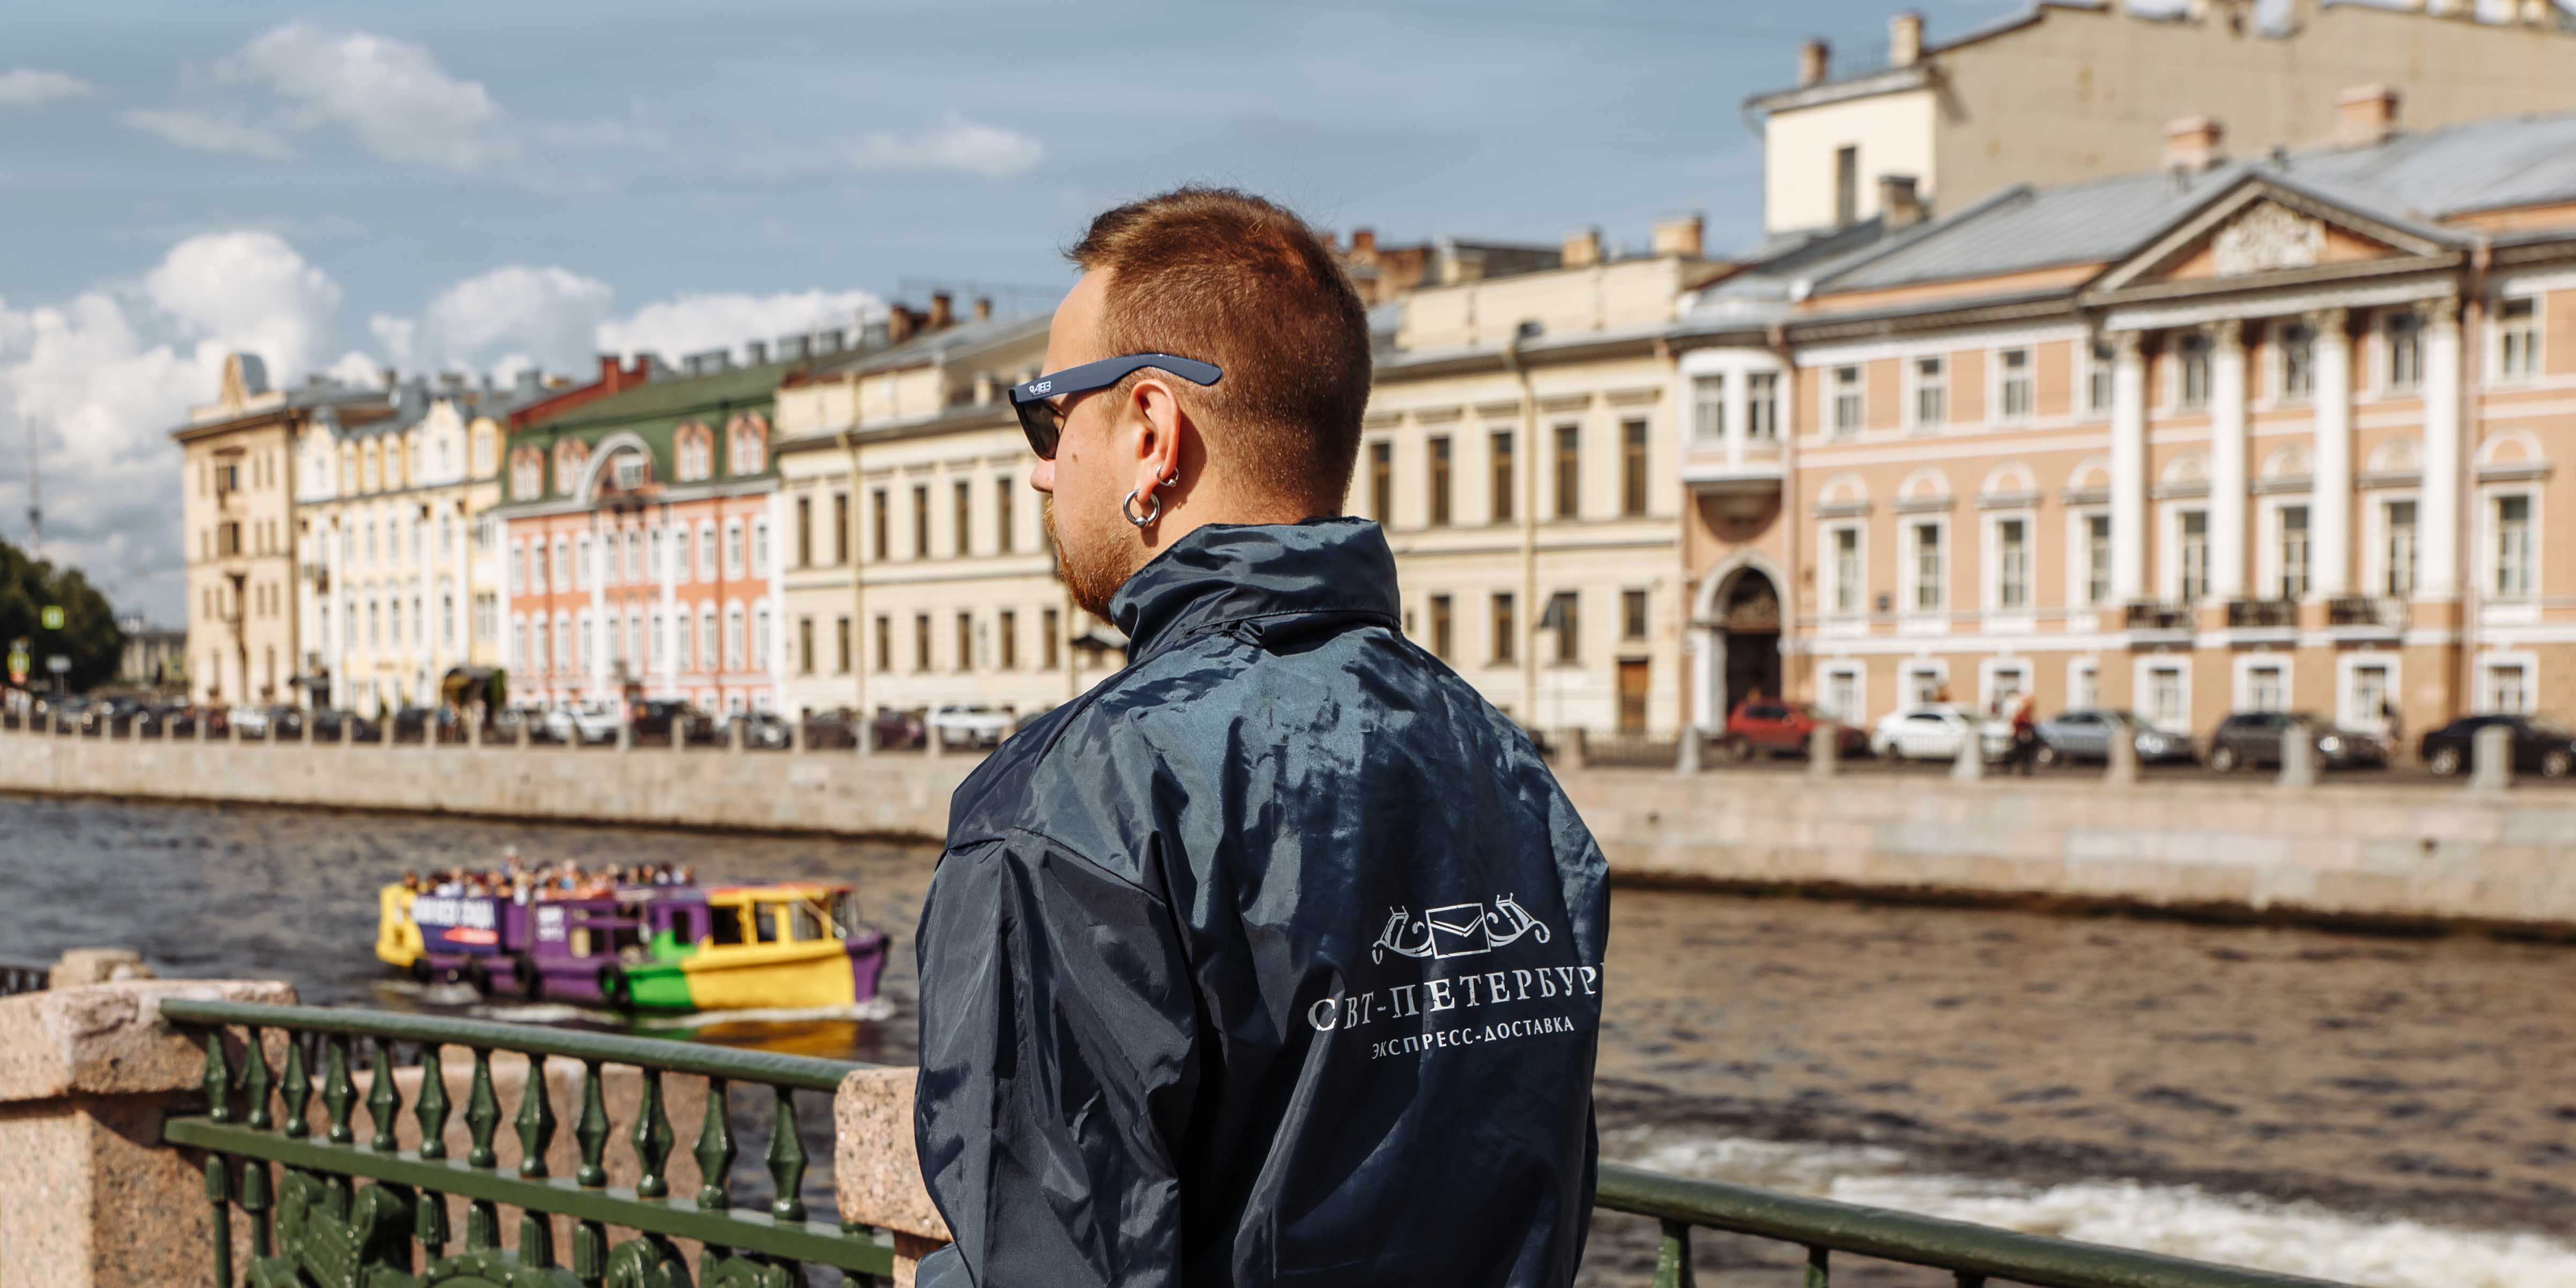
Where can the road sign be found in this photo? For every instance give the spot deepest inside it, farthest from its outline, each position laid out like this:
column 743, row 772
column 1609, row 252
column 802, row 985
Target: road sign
column 18, row 660
column 58, row 663
column 53, row 617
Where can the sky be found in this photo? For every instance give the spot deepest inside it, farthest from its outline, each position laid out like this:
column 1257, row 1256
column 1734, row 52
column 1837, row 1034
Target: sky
column 485, row 187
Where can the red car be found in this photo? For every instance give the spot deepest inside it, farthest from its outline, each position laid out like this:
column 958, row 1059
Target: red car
column 1769, row 726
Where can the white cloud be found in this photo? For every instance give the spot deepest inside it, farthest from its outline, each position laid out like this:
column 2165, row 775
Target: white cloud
column 391, row 95
column 694, row 323
column 955, row 143
column 103, row 376
column 35, row 87
column 515, row 316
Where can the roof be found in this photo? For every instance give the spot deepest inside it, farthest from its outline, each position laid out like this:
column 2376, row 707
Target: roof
column 935, row 346
column 734, row 386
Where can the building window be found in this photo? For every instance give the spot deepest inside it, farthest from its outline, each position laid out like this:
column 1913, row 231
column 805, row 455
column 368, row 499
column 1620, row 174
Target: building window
column 2267, row 687
column 921, row 641
column 804, row 532
column 682, row 654
column 1439, row 489
column 2195, row 556
column 1506, row 477
column 2513, row 547
column 1846, row 185
column 2404, row 343
column 1569, row 471
column 1844, row 542
column 1006, row 631
column 1931, row 392
column 1927, row 682
column 2298, row 346
column 2366, row 693
column 1632, row 468
column 2191, row 357
column 1762, row 406
column 885, row 643
column 733, row 656
column 1563, row 616
column 2012, row 564
column 1050, row 638
column 2505, row 687
column 634, row 555
column 1442, row 627
column 2013, row 384
column 1382, row 483
column 1708, row 408
column 2083, row 685
column 2397, row 522
column 733, row 548
column 2517, row 338
column 965, row 642
column 1929, row 569
column 1632, row 615
column 962, row 516
column 2097, row 558
column 840, row 528
column 805, row 646
column 2294, row 552
column 1003, row 538
column 921, row 521
column 707, row 551
column 707, row 638
column 1847, row 394
column 1504, row 630
column 877, row 525
column 2103, row 361
column 2166, row 707
column 1841, row 696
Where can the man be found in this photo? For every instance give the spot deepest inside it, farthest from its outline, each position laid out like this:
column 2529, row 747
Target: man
column 1275, row 958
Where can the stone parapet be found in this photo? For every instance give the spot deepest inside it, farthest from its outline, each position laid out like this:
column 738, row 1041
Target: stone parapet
column 876, row 1167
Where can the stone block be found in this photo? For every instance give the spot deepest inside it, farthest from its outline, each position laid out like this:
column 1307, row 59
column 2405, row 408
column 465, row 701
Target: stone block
column 81, row 966
column 109, row 1039
column 876, row 1169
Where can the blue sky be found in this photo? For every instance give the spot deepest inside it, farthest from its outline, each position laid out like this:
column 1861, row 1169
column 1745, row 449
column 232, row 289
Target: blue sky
column 485, row 186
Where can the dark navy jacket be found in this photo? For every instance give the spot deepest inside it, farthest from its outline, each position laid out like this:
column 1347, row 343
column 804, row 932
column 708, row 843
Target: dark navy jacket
column 1274, row 959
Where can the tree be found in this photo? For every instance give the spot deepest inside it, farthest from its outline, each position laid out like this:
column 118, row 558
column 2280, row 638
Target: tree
column 89, row 636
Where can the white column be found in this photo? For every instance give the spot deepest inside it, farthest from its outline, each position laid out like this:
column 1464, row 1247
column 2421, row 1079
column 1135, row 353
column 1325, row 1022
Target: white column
column 2330, row 555
column 2128, row 469
column 507, row 593
column 335, row 539
column 669, row 573
column 597, row 570
column 2437, row 534
column 2227, row 462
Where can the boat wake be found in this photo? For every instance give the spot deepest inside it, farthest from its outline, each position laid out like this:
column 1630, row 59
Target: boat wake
column 2182, row 1221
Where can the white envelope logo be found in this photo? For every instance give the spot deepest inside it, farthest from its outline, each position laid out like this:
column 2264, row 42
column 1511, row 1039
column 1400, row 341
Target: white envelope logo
column 1457, row 930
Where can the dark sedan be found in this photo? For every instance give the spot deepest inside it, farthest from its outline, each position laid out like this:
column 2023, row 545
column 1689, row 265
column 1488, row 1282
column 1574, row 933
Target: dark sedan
column 2540, row 745
column 2255, row 738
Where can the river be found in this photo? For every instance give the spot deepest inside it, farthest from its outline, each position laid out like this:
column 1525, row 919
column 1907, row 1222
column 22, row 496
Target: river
column 2381, row 1111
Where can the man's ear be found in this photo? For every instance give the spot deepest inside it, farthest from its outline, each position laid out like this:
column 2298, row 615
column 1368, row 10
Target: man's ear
column 1157, row 421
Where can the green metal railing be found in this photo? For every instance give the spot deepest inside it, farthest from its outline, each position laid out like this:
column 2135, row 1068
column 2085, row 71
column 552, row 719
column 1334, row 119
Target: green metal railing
column 317, row 1227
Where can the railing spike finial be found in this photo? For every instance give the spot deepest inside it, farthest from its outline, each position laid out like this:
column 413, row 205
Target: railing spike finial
column 482, row 1111
column 536, row 1122
column 256, row 1201
column 384, row 1099
column 429, row 1225
column 715, row 1150
column 337, row 1090
column 219, row 1196
column 591, row 1130
column 590, row 1253
column 787, row 1161
column 482, row 1226
column 430, row 1107
column 255, row 1079
column 219, row 1079
column 652, row 1139
column 295, row 1088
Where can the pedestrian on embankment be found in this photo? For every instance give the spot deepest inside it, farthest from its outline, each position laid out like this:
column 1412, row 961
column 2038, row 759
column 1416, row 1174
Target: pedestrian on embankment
column 1276, row 957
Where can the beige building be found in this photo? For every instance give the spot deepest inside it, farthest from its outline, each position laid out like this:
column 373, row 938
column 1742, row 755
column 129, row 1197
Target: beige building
column 2214, row 437
column 238, row 522
column 2068, row 92
column 916, row 569
column 402, row 571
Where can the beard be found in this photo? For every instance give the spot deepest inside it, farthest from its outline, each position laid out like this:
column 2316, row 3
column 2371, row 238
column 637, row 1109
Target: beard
column 1092, row 575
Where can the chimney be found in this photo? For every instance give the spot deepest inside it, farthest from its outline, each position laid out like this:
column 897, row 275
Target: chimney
column 756, row 353
column 940, row 315
column 608, row 370
column 1899, row 206
column 1815, row 60
column 1364, row 245
column 983, row 308
column 899, row 323
column 1582, row 249
column 2192, row 144
column 2365, row 116
column 1684, row 235
column 1905, row 39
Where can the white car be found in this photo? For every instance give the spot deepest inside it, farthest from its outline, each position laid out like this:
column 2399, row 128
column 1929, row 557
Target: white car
column 591, row 722
column 970, row 725
column 1932, row 732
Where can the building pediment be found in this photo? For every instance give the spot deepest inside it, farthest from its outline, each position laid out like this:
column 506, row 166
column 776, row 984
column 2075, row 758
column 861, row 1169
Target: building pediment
column 2264, row 231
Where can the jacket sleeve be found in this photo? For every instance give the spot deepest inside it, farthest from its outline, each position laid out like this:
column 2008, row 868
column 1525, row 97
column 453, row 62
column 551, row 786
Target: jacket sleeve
column 1057, row 1070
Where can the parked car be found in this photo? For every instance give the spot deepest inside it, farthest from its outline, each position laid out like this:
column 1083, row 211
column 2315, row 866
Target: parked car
column 591, row 722
column 2084, row 736
column 427, row 724
column 659, row 720
column 69, row 710
column 834, row 730
column 113, row 717
column 970, row 724
column 1768, row 726
column 761, row 730
column 331, row 724
column 1933, row 731
column 2254, row 738
column 899, row 730
column 507, row 722
column 2540, row 745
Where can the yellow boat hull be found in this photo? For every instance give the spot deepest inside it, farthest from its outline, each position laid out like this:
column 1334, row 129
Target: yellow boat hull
column 398, row 940
column 813, row 973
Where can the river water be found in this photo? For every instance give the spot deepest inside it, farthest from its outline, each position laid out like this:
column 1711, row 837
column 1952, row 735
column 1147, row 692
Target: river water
column 2380, row 1111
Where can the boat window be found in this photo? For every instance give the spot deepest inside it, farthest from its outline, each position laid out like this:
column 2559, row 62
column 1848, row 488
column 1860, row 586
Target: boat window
column 727, row 928
column 581, row 941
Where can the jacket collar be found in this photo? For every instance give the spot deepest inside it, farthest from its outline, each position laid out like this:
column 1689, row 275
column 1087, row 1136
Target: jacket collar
column 1224, row 574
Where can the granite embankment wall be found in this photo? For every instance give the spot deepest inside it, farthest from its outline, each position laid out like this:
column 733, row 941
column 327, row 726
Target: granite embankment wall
column 2355, row 849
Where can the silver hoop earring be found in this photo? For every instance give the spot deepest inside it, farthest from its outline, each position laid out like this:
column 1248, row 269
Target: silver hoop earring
column 1127, row 507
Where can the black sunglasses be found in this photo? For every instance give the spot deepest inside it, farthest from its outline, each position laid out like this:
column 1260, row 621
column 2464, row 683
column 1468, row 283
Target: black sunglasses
column 1044, row 425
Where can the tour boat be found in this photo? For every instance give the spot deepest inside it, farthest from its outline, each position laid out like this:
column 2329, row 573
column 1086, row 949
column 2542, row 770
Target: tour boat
column 795, row 945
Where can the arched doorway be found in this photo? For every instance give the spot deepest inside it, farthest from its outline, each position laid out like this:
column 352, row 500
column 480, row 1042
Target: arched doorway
column 1749, row 625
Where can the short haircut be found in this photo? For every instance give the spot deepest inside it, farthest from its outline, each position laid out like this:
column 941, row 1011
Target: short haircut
column 1233, row 279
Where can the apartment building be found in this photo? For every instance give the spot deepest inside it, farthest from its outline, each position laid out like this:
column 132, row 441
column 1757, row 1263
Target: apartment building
column 400, row 555
column 238, row 526
column 2066, row 92
column 2278, row 434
